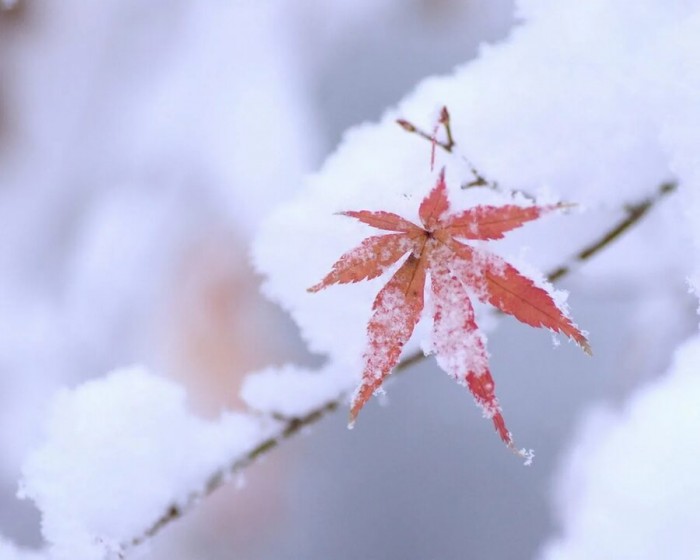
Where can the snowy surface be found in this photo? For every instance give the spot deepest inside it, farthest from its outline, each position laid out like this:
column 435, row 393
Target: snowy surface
column 9, row 551
column 584, row 122
column 601, row 120
column 118, row 452
column 291, row 391
column 630, row 488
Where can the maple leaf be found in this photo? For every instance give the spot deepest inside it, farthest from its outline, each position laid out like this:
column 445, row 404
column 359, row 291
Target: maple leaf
column 455, row 269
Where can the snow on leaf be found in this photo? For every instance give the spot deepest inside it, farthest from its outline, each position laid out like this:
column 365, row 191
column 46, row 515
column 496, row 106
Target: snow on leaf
column 459, row 346
column 435, row 204
column 455, row 270
column 500, row 284
column 396, row 311
column 367, row 261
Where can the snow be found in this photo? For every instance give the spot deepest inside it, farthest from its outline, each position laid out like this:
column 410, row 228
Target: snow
column 9, row 551
column 586, row 123
column 118, row 452
column 582, row 123
column 150, row 129
column 291, row 391
column 601, row 120
column 629, row 488
column 458, row 343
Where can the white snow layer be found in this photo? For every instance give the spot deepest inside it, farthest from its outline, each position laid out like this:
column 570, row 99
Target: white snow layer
column 158, row 127
column 576, row 105
column 118, row 452
column 8, row 551
column 292, row 391
column 630, row 488
column 592, row 102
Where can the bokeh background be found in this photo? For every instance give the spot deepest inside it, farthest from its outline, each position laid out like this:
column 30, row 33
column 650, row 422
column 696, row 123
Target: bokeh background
column 141, row 143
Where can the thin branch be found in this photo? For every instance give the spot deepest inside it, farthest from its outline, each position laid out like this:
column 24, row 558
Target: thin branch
column 413, row 129
column 291, row 426
column 635, row 212
column 447, row 124
column 287, row 429
column 449, row 145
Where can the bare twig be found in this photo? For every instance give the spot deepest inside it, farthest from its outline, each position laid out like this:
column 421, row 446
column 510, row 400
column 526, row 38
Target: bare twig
column 447, row 124
column 634, row 213
column 449, row 145
column 413, row 129
column 287, row 429
column 291, row 426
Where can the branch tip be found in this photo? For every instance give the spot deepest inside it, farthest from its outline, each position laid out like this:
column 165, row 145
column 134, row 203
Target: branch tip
column 407, row 126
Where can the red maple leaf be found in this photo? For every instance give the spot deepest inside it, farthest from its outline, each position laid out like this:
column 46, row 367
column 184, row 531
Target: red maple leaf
column 454, row 267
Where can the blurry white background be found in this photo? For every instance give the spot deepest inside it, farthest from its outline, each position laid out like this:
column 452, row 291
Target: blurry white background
column 140, row 145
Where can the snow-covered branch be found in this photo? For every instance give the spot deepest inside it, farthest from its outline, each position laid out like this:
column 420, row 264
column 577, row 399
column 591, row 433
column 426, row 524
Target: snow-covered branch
column 286, row 427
